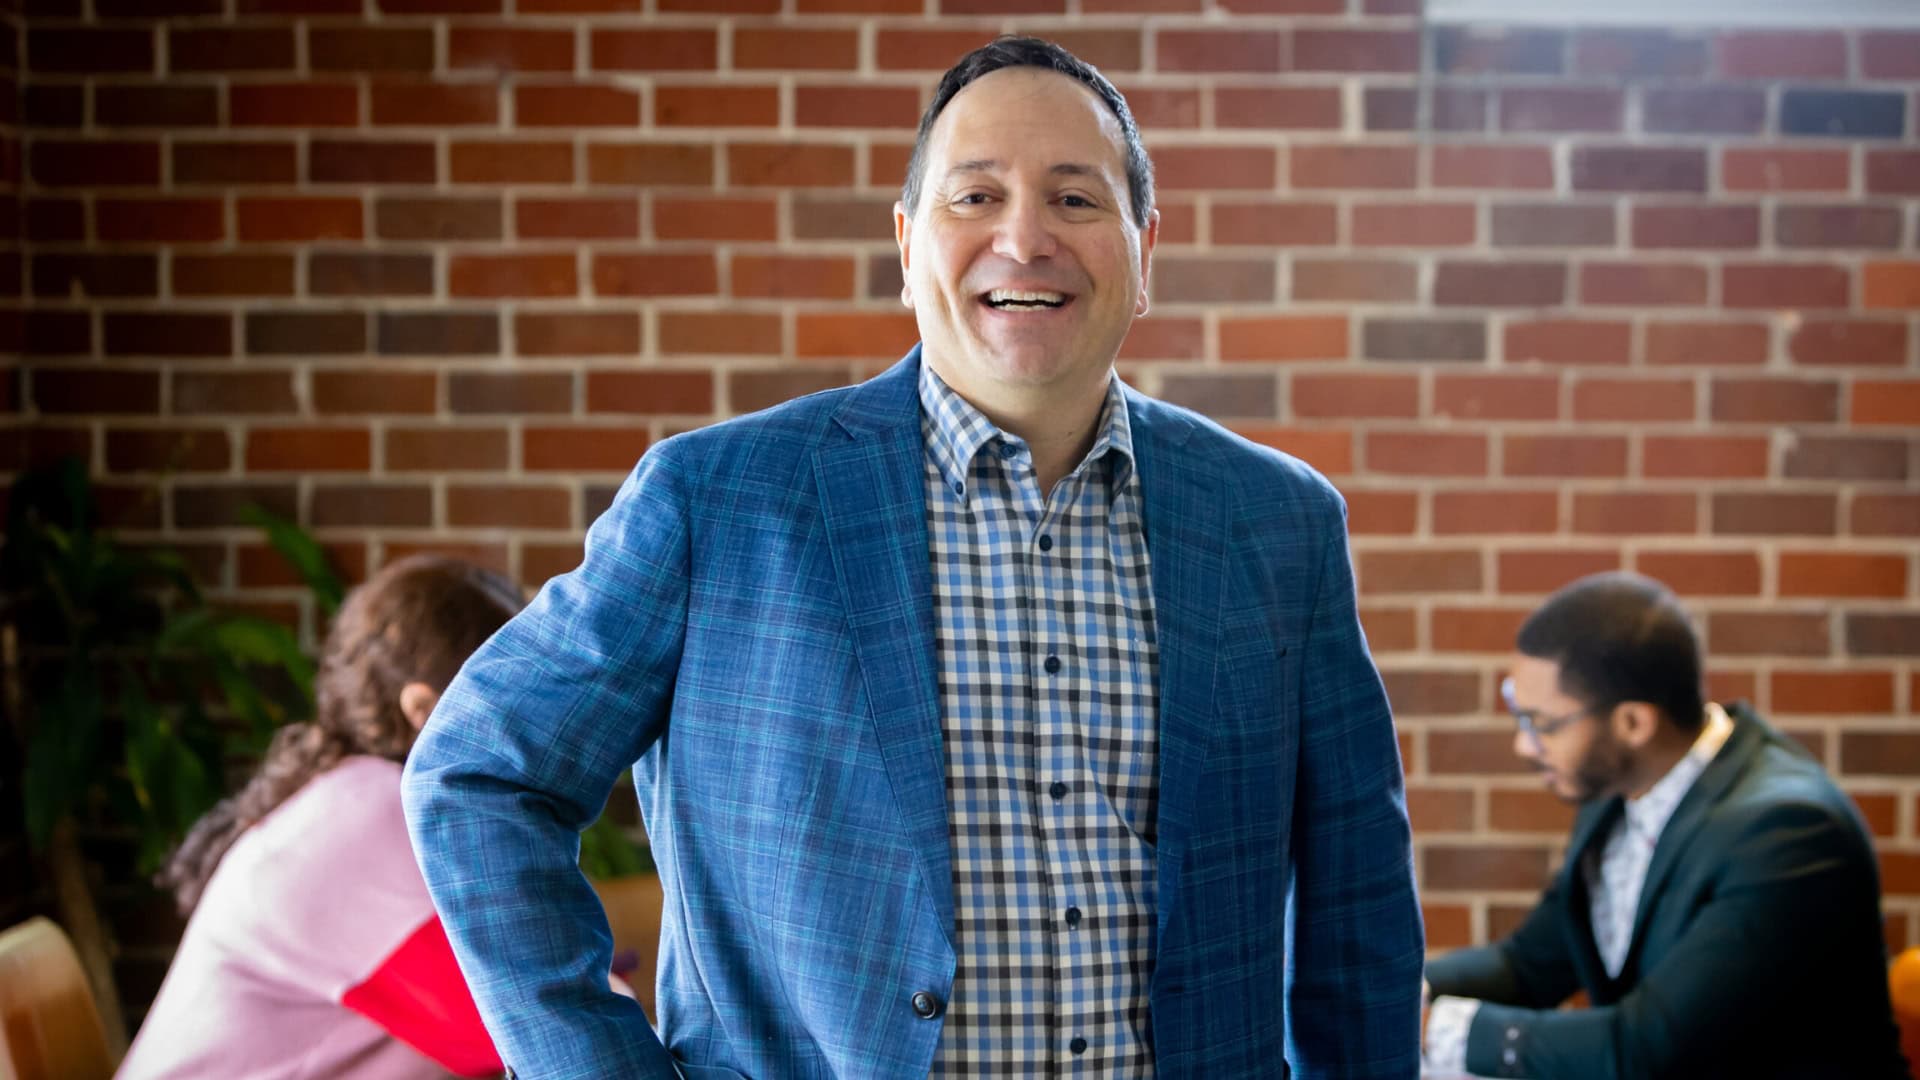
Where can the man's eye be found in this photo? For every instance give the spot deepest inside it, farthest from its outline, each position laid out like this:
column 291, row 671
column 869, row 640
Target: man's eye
column 973, row 198
column 1080, row 201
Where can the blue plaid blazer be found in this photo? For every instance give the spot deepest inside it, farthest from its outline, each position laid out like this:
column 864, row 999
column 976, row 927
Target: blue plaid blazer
column 751, row 634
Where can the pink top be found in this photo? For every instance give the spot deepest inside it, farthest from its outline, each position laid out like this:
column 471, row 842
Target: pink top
column 315, row 952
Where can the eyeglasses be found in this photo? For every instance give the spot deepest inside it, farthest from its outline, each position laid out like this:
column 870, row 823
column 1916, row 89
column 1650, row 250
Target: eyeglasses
column 1536, row 727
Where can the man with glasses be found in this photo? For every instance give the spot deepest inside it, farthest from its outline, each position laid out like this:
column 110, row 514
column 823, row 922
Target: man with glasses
column 1719, row 903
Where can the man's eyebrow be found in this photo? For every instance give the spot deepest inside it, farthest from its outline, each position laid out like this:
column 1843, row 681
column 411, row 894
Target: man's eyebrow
column 987, row 165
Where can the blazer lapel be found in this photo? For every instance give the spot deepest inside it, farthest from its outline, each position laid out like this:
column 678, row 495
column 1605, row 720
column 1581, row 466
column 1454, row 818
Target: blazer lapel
column 1591, row 827
column 871, row 479
column 1188, row 526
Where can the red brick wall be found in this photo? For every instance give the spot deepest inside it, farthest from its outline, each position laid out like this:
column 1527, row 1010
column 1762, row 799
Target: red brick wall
column 432, row 273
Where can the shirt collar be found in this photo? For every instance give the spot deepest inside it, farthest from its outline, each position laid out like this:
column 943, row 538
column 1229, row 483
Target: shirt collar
column 1649, row 814
column 957, row 431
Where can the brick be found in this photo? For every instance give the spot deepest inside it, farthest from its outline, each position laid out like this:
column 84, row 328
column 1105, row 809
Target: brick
column 1890, row 285
column 234, row 163
column 503, row 276
column 511, row 393
column 1893, row 172
column 82, row 276
column 654, row 274
column 1483, row 50
column 97, row 163
column 1635, row 513
column 786, row 48
column 450, row 333
column 792, row 277
column 1330, row 396
column 1424, row 339
column 362, row 48
column 790, row 165
column 1384, row 513
column 1778, row 401
column 1840, row 342
column 1161, row 338
column 1424, row 224
column 716, row 106
column 887, row 164
column 298, row 220
column 231, row 275
column 1492, row 166
column 169, row 449
column 1879, row 753
column 577, row 449
column 210, row 392
column 309, row 449
column 1438, row 809
column 1717, row 227
column 369, row 274
column 890, row 107
column 575, row 106
column 1564, row 455
column 159, row 221
column 1355, row 50
column 1220, row 51
column 1214, row 280
column 1774, row 54
column 576, row 333
column 1886, row 402
column 57, row 333
column 1836, row 226
column 293, row 104
column 748, row 391
column 1561, row 109
column 55, row 221
column 1552, row 225
column 1201, row 168
column 672, row 393
column 1707, row 457
column 1437, row 692
column 370, row 161
column 703, row 333
column 1703, row 110
column 1773, row 513
column 1769, row 633
column 1479, row 753
column 424, row 104
column 1290, row 108
column 510, row 48
column 1495, row 513
column 1503, row 283
column 606, row 218
column 1633, row 400
column 258, row 565
column 722, row 219
column 1846, row 113
column 95, row 390
column 89, row 50
column 53, row 105
column 1639, row 53
column 1882, row 634
column 1780, row 169
column 1703, row 573
column 496, row 162
column 259, row 48
column 1784, row 285
column 1569, row 341
column 1109, row 49
column 1639, row 168
column 131, row 333
column 1496, row 397
column 1707, row 343
column 211, row 506
column 689, row 49
column 1289, row 7
column 1483, row 867
column 373, row 393
column 371, row 505
column 1327, row 450
column 437, row 219
column 1824, row 457
column 1355, row 279
column 1284, row 338
column 155, row 105
column 1163, row 108
column 1290, row 224
column 541, row 562
column 1345, row 167
column 1890, row 54
column 509, row 506
column 1529, row 811
column 305, row 333
column 446, row 449
column 1885, row 515
column 1395, row 108
column 492, row 556
column 1797, row 693
column 1546, row 571
column 1426, row 453
column 1475, row 630
column 1233, row 394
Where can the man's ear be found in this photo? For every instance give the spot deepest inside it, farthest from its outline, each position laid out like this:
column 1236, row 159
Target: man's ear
column 417, row 700
column 903, row 236
column 1149, row 236
column 1635, row 723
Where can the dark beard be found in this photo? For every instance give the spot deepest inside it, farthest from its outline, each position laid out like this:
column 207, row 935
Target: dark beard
column 1604, row 769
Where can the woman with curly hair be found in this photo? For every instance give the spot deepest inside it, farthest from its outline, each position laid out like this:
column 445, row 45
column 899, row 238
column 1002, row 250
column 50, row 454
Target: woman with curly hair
column 312, row 949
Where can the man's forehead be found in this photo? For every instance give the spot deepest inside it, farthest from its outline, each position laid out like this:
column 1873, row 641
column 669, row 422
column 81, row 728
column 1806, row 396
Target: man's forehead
column 1005, row 104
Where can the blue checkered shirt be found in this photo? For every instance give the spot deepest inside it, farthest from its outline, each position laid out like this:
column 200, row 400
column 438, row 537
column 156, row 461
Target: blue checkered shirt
column 1049, row 698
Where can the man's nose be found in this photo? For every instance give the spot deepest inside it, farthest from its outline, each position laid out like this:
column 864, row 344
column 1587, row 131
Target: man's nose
column 1025, row 231
column 1525, row 746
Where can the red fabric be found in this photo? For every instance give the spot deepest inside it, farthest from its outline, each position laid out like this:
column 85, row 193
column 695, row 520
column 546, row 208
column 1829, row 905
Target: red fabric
column 419, row 996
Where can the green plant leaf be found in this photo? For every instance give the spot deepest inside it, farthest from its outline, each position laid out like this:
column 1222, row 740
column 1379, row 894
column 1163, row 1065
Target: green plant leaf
column 302, row 552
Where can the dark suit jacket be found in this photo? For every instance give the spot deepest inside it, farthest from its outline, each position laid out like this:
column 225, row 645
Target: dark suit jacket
column 1757, row 947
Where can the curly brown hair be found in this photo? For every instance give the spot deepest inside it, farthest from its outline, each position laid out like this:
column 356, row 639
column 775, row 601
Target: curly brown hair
column 417, row 620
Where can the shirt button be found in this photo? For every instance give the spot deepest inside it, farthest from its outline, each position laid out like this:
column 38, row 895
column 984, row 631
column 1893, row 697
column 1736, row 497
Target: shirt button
column 1052, row 665
column 1008, row 450
column 1058, row 790
column 1509, row 1057
column 959, row 488
column 1073, row 916
column 1513, row 1033
column 1046, row 542
column 1078, row 1045
column 925, row 1005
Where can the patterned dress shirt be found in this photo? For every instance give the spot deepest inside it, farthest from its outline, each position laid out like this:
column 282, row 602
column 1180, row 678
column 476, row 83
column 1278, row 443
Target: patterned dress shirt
column 1049, row 704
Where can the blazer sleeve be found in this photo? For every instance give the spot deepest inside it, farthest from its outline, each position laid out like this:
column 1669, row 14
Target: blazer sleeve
column 1355, row 941
column 1531, row 968
column 1774, row 921
column 519, row 757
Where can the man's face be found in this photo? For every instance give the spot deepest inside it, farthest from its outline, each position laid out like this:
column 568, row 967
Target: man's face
column 1023, row 265
column 1580, row 760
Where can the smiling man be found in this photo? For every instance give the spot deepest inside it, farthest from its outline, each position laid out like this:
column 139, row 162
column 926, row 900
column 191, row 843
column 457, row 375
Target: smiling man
column 1719, row 903
column 989, row 718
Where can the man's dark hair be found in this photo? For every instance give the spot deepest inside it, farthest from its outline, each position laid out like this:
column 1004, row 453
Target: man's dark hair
column 1620, row 637
column 1010, row 51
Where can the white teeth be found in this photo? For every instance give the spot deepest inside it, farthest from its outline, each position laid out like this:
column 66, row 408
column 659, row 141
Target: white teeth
column 1017, row 296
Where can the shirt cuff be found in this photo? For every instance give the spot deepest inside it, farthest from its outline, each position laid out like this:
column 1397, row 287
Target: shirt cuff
column 1449, row 1019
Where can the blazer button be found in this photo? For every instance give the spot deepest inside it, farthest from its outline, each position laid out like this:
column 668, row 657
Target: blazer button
column 925, row 1005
